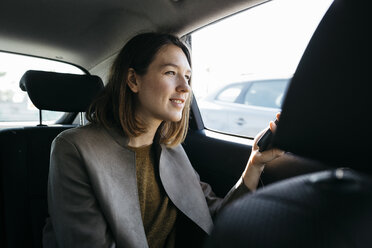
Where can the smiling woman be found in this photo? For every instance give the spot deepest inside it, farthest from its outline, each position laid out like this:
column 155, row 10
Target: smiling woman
column 126, row 172
column 157, row 100
column 146, row 58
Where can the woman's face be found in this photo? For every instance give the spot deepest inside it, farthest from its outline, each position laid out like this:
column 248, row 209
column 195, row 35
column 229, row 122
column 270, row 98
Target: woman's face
column 163, row 91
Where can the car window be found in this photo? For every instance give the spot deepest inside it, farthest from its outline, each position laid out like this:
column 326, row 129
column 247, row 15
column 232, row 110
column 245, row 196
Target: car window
column 15, row 106
column 266, row 93
column 262, row 46
column 230, row 94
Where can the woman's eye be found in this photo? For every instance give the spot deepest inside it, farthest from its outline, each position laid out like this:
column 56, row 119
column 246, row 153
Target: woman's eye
column 170, row 73
column 188, row 77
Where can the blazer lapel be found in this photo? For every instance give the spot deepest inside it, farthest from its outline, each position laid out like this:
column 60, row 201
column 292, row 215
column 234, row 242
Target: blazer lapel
column 183, row 187
column 122, row 184
column 179, row 180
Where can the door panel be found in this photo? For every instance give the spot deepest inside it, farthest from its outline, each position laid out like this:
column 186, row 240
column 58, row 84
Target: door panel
column 220, row 161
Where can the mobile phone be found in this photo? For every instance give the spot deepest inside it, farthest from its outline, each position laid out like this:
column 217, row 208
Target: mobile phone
column 265, row 141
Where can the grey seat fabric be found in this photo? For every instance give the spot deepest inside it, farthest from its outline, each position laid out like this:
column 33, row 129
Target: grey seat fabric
column 323, row 118
column 317, row 210
column 24, row 155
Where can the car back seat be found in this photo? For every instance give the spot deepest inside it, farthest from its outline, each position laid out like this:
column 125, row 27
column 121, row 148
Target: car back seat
column 24, row 154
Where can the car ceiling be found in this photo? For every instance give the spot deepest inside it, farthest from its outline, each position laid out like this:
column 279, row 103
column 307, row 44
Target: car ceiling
column 88, row 32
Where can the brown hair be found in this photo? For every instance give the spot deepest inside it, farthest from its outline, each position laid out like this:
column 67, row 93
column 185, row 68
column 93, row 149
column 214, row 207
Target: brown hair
column 115, row 106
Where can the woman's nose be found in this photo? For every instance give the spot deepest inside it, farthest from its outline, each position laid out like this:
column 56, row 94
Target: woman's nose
column 183, row 85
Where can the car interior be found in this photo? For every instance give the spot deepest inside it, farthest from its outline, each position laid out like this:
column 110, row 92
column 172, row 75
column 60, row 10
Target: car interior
column 89, row 34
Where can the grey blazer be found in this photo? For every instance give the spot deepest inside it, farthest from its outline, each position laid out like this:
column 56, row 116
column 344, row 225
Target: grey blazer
column 92, row 190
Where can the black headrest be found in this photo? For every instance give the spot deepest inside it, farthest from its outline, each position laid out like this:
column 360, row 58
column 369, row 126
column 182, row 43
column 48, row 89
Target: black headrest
column 325, row 114
column 60, row 91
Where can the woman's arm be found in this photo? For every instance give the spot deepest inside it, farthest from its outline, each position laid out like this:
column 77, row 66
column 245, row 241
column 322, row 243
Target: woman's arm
column 75, row 214
column 258, row 160
column 250, row 177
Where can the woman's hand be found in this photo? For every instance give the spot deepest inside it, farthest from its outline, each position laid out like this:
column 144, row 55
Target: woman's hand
column 258, row 160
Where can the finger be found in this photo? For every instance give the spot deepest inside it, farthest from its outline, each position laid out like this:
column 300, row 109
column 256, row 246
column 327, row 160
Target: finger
column 271, row 154
column 272, row 126
column 275, row 153
column 277, row 115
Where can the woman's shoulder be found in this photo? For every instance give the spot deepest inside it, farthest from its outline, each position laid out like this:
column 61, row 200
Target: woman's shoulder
column 94, row 136
column 81, row 133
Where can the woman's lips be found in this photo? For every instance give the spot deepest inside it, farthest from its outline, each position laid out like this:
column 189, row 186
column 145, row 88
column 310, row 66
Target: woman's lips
column 178, row 102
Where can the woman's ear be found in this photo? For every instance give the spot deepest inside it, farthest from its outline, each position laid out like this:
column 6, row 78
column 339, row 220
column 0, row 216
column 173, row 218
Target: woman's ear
column 132, row 80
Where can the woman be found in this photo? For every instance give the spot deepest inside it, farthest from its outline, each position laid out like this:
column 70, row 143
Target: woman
column 124, row 180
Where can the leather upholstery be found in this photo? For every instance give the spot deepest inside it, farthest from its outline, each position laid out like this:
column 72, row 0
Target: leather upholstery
column 60, row 91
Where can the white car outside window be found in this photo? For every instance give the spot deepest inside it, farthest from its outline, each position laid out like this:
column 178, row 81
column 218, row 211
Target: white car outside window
column 265, row 42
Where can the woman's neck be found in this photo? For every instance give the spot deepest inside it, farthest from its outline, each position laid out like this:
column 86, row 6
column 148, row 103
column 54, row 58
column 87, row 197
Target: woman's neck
column 145, row 138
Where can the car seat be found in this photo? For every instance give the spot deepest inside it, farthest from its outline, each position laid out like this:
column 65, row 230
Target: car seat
column 24, row 154
column 324, row 119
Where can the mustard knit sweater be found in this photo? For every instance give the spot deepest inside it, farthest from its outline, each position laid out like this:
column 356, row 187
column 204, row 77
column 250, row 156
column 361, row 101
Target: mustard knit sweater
column 158, row 212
